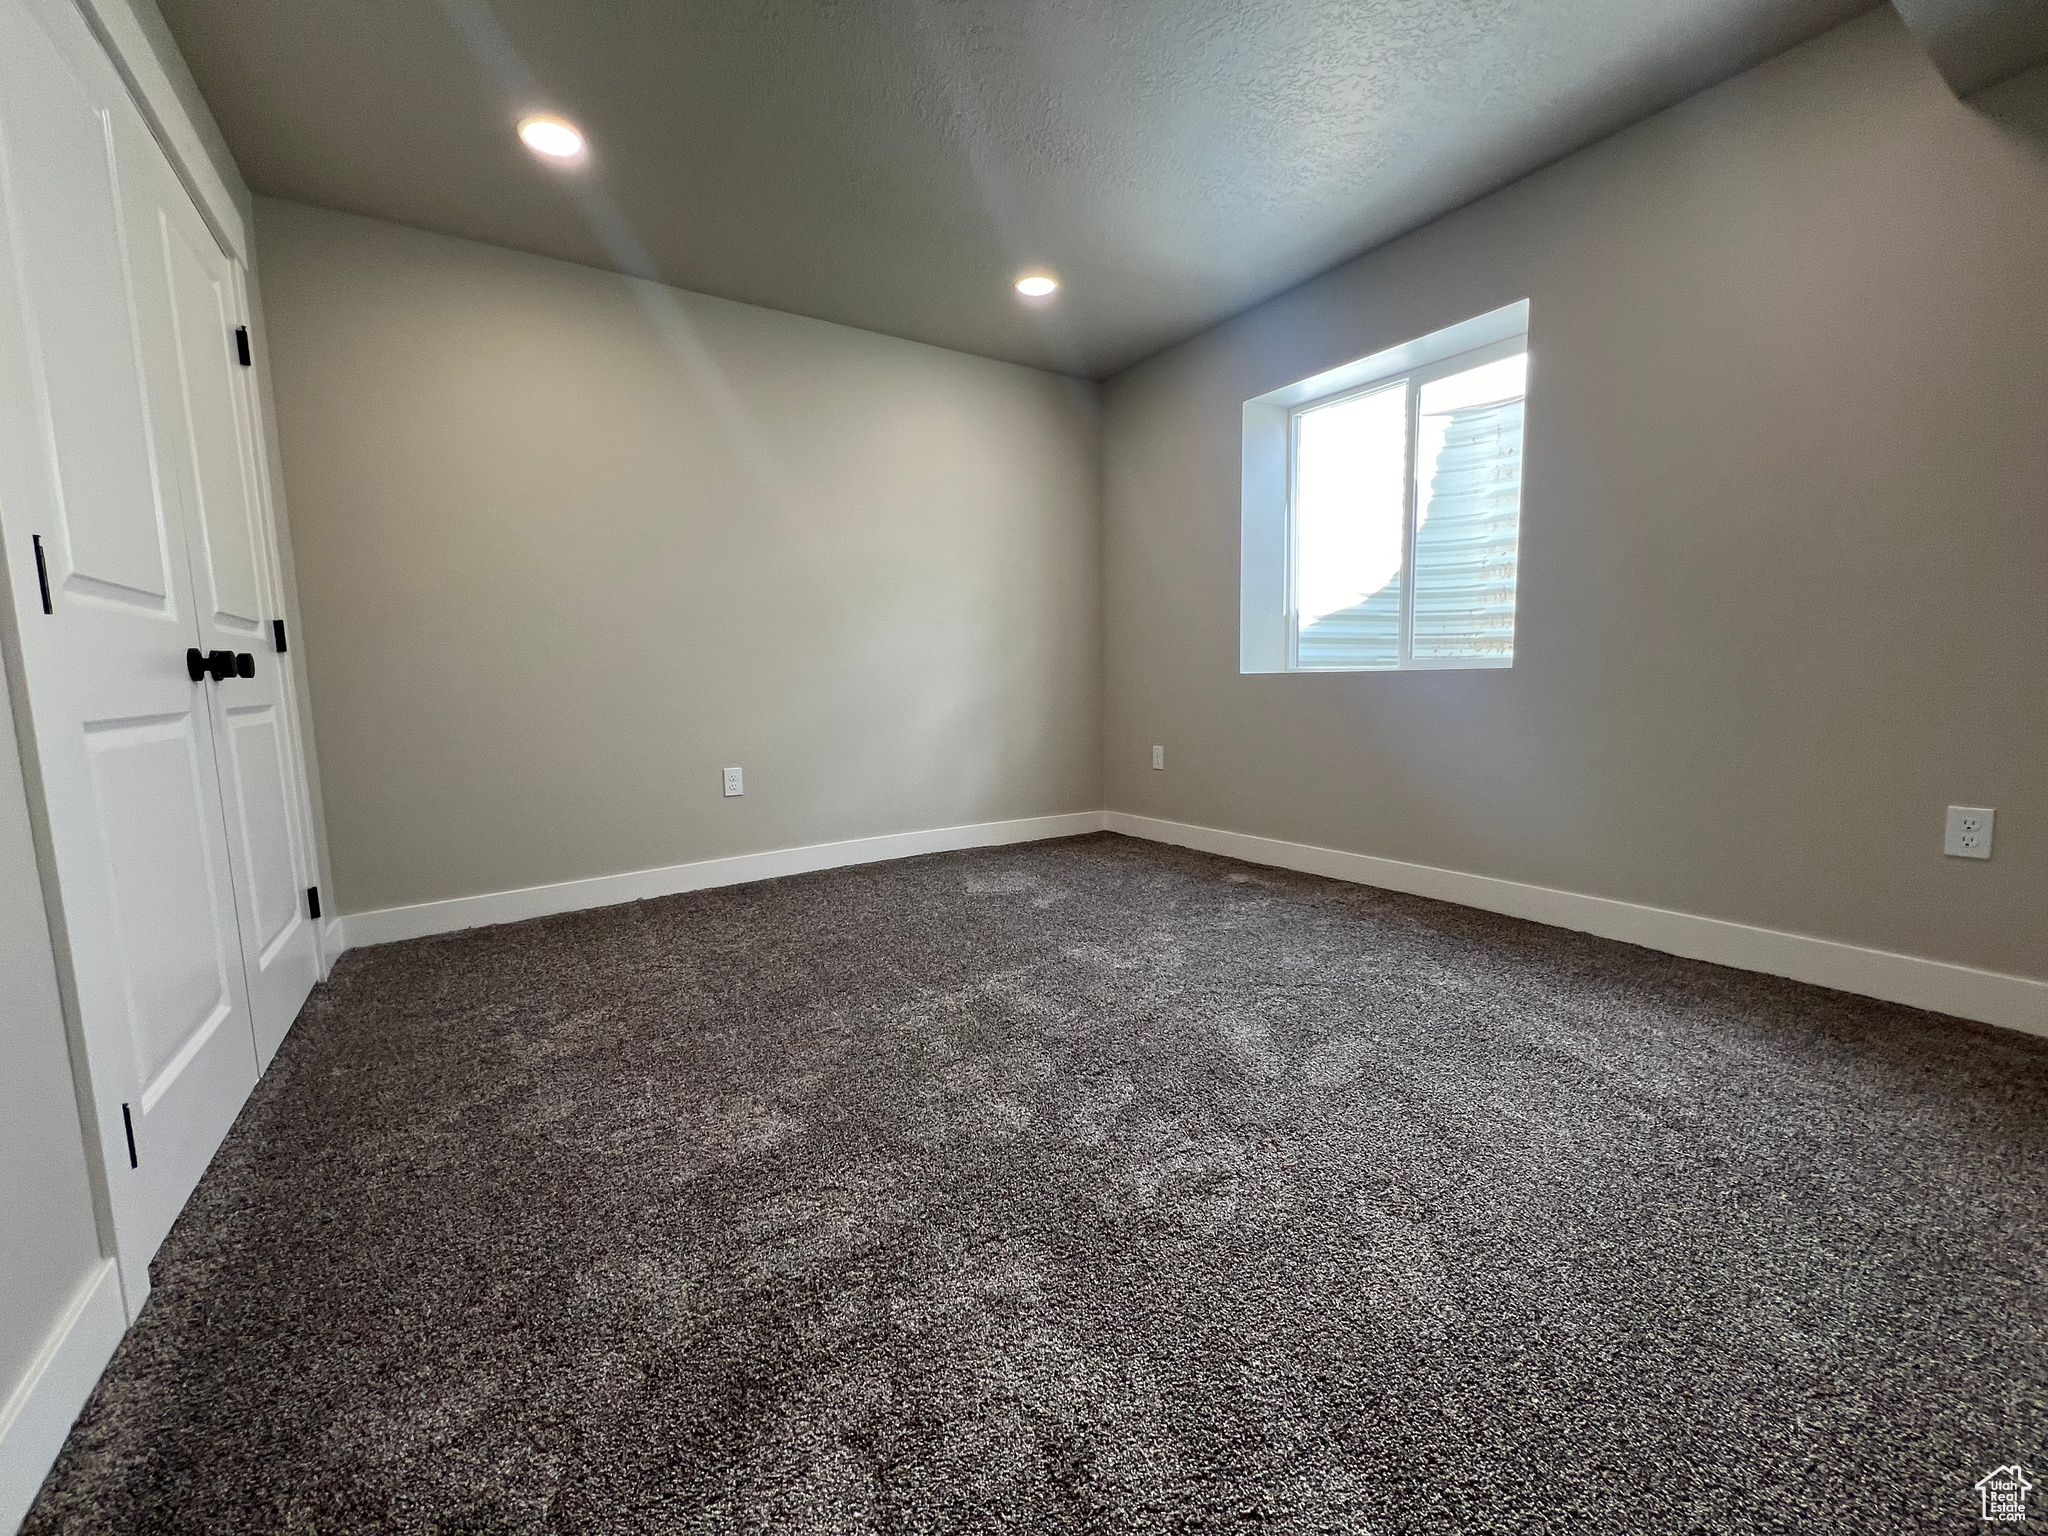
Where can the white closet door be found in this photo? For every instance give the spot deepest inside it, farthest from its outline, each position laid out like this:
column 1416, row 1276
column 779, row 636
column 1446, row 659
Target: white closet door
column 234, row 592
column 123, row 737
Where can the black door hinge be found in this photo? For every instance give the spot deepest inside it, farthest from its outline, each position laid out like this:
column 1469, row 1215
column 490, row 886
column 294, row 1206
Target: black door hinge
column 277, row 634
column 128, row 1125
column 43, row 573
column 242, row 344
column 312, row 901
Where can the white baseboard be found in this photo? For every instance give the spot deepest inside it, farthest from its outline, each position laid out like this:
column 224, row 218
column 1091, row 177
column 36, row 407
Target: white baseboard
column 388, row 924
column 333, row 940
column 45, row 1404
column 2016, row 1002
column 1989, row 997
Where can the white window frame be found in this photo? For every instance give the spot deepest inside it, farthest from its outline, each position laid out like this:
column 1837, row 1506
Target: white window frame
column 1411, row 382
column 1267, row 631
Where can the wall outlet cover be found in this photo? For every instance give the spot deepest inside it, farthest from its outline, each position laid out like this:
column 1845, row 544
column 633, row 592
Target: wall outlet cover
column 1969, row 832
column 1159, row 757
column 735, row 782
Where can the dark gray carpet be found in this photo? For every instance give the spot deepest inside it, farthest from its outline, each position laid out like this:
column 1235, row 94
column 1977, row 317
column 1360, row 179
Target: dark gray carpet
column 1088, row 1186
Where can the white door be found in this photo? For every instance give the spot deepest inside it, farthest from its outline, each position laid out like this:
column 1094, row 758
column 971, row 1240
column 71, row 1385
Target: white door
column 102, row 599
column 235, row 590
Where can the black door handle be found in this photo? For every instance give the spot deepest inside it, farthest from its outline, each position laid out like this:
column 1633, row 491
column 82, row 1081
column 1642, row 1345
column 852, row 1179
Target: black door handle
column 218, row 665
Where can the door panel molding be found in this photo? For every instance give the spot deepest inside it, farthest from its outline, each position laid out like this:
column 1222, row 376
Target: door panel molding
column 233, row 577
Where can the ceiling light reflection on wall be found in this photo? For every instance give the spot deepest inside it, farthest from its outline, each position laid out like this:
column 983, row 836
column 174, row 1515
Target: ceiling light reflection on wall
column 1038, row 285
column 552, row 138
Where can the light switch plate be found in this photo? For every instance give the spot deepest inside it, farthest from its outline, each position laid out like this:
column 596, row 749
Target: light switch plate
column 1969, row 832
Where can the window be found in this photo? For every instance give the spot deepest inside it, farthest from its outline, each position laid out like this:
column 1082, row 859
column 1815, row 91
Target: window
column 1382, row 529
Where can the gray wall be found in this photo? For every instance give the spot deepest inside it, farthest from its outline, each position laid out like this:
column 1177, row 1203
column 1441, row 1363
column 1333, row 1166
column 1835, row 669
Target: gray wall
column 1784, row 591
column 49, row 1241
column 569, row 542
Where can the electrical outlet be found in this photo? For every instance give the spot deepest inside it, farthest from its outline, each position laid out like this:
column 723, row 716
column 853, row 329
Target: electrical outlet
column 1159, row 757
column 1969, row 832
column 734, row 783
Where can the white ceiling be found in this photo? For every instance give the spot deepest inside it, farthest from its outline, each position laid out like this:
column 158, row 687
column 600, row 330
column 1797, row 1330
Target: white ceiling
column 892, row 164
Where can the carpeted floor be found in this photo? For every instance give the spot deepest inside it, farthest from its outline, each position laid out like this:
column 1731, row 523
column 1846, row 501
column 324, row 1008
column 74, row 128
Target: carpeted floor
column 1088, row 1186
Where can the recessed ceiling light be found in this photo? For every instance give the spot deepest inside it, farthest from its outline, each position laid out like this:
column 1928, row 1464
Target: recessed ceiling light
column 1038, row 285
column 551, row 137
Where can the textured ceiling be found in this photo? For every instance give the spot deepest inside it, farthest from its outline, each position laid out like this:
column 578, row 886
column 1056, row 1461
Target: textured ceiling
column 891, row 164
